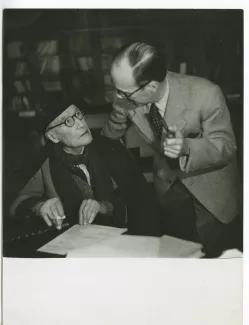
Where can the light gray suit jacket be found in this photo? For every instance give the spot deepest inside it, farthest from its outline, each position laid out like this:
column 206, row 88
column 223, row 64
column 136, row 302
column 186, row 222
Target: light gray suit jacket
column 198, row 108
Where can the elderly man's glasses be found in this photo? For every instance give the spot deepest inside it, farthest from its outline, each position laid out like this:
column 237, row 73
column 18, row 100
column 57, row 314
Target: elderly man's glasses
column 70, row 120
column 128, row 95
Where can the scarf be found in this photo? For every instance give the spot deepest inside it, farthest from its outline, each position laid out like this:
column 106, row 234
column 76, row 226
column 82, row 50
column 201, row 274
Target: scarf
column 70, row 181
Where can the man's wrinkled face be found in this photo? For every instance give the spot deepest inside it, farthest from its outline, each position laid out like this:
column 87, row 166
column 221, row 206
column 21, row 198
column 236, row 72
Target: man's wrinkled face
column 72, row 136
column 125, row 84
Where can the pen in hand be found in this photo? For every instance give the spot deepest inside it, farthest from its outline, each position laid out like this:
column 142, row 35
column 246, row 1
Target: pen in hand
column 169, row 134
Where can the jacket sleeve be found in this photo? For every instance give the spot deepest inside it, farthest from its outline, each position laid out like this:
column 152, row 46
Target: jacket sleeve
column 216, row 147
column 117, row 123
column 29, row 196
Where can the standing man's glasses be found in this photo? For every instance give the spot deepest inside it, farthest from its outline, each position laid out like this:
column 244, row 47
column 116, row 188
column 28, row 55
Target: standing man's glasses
column 128, row 95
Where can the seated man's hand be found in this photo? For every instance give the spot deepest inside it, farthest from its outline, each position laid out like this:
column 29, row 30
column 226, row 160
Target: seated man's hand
column 88, row 211
column 52, row 212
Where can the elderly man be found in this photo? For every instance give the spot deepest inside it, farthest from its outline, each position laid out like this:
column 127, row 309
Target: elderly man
column 73, row 182
column 186, row 121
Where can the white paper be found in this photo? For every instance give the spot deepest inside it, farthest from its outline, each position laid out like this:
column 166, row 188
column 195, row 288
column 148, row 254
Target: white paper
column 232, row 253
column 79, row 237
column 140, row 246
column 175, row 247
column 121, row 246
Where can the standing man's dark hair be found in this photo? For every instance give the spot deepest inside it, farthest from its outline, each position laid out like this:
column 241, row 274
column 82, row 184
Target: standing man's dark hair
column 147, row 61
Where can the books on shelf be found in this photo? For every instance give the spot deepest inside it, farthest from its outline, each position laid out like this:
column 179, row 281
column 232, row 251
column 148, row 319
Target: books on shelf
column 27, row 113
column 107, row 80
column 15, row 50
column 28, row 85
column 20, row 103
column 22, row 69
column 50, row 65
column 112, row 42
column 52, row 85
column 106, row 62
column 19, row 86
column 47, row 47
column 26, row 103
column 80, row 43
column 85, row 63
column 22, row 86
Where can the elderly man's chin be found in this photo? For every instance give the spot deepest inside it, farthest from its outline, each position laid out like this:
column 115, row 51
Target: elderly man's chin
column 86, row 138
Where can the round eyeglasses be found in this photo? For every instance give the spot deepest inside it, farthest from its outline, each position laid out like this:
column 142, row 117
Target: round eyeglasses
column 70, row 120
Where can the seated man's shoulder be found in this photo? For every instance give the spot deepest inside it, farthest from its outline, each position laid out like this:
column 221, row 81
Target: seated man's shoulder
column 45, row 166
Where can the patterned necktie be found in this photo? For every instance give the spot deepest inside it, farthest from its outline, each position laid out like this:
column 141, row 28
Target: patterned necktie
column 156, row 120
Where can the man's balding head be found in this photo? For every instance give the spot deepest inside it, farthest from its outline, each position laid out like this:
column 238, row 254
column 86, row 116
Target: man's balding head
column 139, row 73
column 142, row 62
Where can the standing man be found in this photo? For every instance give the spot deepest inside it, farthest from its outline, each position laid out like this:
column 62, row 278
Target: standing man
column 186, row 121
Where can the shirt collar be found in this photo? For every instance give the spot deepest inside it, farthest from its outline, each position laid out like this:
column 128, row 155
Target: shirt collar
column 163, row 102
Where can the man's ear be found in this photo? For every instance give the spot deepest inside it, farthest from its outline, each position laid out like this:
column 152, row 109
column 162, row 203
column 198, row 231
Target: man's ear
column 153, row 86
column 51, row 136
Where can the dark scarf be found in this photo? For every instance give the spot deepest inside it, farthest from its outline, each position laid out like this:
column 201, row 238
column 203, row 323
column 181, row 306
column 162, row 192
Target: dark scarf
column 63, row 172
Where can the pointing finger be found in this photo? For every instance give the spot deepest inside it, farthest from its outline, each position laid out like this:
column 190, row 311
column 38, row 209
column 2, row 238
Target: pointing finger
column 81, row 213
column 47, row 220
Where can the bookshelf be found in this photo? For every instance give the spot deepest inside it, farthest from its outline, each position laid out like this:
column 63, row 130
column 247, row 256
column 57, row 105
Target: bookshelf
column 49, row 62
column 18, row 78
column 74, row 56
column 87, row 56
column 32, row 69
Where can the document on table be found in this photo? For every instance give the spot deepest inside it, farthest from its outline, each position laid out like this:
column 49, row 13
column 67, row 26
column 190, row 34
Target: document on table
column 140, row 246
column 121, row 246
column 80, row 237
column 174, row 247
column 102, row 241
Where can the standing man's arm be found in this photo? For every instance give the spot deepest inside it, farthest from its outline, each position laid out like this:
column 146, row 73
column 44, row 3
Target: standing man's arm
column 216, row 147
column 117, row 123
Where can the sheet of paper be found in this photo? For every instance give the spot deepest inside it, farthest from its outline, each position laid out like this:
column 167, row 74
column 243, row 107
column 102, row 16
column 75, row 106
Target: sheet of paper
column 175, row 247
column 121, row 246
column 232, row 253
column 79, row 237
column 141, row 246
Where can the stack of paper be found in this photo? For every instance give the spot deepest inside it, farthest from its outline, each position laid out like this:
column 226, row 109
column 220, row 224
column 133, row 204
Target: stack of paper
column 101, row 241
column 121, row 246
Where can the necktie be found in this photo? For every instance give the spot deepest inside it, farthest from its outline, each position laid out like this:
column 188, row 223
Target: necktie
column 156, row 120
column 158, row 124
column 81, row 181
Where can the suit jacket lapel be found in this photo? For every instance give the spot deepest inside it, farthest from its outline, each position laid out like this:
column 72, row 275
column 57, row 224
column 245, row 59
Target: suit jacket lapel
column 175, row 106
column 139, row 118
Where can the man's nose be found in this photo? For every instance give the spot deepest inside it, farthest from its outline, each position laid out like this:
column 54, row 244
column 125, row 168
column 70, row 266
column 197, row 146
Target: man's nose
column 80, row 123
